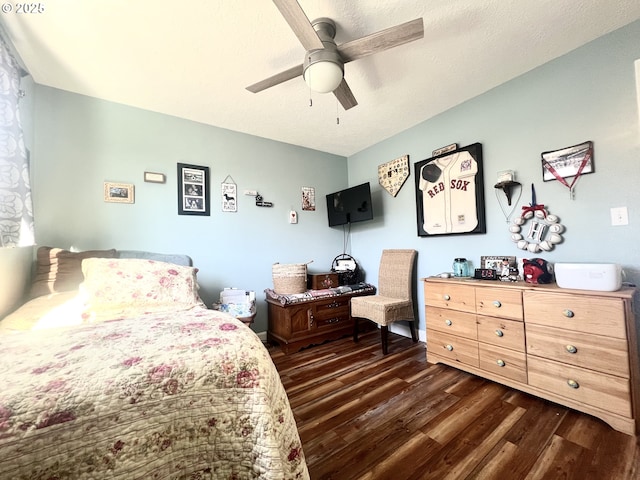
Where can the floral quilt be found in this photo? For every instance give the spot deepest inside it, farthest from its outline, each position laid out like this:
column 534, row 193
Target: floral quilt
column 189, row 394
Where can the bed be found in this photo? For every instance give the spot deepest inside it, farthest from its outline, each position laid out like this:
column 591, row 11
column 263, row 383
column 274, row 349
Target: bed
column 128, row 375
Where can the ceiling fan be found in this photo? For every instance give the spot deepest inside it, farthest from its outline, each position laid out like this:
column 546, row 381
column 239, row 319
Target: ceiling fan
column 323, row 66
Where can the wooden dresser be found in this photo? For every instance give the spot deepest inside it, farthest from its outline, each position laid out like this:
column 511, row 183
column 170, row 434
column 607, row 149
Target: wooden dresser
column 311, row 322
column 577, row 348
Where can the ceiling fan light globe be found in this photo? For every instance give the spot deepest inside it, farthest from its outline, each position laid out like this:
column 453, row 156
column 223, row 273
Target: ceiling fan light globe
column 323, row 76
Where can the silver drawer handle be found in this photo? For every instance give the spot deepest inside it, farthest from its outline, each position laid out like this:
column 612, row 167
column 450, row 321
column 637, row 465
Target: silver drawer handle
column 571, row 349
column 448, row 323
column 573, row 383
column 449, row 347
column 446, row 297
column 568, row 313
column 500, row 363
column 497, row 304
column 499, row 333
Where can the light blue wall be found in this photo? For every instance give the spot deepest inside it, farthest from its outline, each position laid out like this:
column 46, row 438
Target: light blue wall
column 589, row 94
column 80, row 142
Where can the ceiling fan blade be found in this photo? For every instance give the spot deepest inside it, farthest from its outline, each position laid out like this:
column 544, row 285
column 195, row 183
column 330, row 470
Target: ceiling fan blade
column 299, row 23
column 382, row 40
column 345, row 96
column 276, row 79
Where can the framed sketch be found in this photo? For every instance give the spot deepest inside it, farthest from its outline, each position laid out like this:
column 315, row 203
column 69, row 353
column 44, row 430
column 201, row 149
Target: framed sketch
column 193, row 190
column 309, row 199
column 450, row 193
column 118, row 192
column 568, row 162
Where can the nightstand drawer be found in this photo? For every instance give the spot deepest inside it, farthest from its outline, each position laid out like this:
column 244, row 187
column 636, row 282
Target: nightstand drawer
column 591, row 314
column 501, row 332
column 452, row 322
column 597, row 389
column 504, row 362
column 603, row 354
column 499, row 302
column 454, row 348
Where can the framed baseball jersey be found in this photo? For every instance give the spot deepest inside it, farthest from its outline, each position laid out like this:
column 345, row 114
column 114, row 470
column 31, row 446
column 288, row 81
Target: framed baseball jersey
column 450, row 193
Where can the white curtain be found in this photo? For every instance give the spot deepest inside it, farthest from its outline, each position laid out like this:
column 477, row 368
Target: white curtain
column 16, row 213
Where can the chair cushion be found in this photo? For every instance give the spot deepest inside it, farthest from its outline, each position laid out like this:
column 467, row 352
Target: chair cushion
column 382, row 310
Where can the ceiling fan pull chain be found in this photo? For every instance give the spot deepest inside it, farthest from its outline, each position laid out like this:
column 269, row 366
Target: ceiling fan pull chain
column 337, row 113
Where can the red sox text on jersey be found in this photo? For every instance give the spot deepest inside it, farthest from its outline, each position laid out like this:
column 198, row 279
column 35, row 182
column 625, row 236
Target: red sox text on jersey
column 454, row 185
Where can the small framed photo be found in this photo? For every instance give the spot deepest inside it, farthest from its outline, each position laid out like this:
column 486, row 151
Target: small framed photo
column 118, row 192
column 506, row 266
column 193, row 190
column 568, row 162
column 308, row 199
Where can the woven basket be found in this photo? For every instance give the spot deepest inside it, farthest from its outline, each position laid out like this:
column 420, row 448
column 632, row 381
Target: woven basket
column 289, row 278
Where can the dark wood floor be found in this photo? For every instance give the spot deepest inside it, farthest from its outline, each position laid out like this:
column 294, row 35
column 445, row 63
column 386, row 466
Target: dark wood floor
column 362, row 415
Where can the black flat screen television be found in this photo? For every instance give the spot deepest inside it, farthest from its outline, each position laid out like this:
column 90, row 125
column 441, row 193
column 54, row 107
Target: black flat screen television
column 350, row 205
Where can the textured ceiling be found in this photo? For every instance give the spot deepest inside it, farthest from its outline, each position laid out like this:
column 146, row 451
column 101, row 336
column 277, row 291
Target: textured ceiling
column 194, row 59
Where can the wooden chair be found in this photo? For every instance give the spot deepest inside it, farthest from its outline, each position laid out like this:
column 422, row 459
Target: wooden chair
column 394, row 298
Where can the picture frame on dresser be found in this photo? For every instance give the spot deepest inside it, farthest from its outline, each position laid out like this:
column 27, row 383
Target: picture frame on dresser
column 504, row 265
column 450, row 193
column 193, row 190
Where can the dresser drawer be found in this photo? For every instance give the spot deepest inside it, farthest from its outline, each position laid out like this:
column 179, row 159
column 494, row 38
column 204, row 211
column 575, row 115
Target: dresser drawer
column 451, row 321
column 597, row 389
column 501, row 332
column 603, row 354
column 499, row 302
column 503, row 361
column 591, row 314
column 454, row 348
column 453, row 296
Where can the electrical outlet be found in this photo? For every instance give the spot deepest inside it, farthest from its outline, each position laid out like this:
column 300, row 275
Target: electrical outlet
column 619, row 216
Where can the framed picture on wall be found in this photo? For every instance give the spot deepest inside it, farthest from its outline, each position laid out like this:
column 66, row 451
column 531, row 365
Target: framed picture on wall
column 118, row 192
column 450, row 193
column 193, row 190
column 308, row 199
column 568, row 162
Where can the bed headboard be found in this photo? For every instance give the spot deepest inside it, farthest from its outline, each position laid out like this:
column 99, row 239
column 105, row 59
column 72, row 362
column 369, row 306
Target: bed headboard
column 184, row 260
